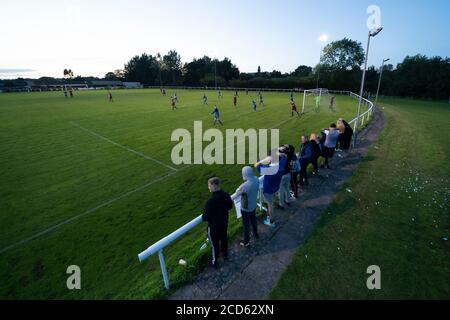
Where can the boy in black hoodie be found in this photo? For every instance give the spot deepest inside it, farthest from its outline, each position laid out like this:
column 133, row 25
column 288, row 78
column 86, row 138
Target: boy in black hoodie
column 216, row 214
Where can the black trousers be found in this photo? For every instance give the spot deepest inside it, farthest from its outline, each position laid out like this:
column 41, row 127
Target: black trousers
column 328, row 154
column 249, row 220
column 315, row 166
column 303, row 173
column 219, row 242
column 340, row 141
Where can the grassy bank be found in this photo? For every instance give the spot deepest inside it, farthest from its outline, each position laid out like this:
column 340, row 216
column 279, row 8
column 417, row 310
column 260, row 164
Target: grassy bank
column 396, row 216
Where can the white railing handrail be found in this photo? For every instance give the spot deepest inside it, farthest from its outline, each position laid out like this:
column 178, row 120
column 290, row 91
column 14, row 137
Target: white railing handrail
column 159, row 246
column 367, row 112
column 164, row 242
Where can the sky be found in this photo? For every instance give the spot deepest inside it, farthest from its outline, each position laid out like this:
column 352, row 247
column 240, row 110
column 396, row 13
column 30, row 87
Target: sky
column 42, row 38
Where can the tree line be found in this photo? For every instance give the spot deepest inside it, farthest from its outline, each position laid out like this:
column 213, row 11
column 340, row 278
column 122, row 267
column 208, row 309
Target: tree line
column 339, row 68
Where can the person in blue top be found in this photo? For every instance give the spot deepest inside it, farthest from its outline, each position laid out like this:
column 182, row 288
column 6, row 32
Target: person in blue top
column 261, row 102
column 216, row 116
column 306, row 157
column 205, row 99
column 254, row 104
column 271, row 184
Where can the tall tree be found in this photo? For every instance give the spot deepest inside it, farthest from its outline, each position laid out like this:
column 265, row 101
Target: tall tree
column 172, row 65
column 345, row 54
column 68, row 73
column 117, row 75
column 302, row 71
column 423, row 77
column 227, row 70
column 143, row 68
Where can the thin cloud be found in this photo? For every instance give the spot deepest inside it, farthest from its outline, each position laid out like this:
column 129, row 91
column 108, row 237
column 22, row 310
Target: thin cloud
column 12, row 70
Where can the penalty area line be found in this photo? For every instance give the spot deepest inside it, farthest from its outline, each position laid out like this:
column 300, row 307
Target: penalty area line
column 78, row 216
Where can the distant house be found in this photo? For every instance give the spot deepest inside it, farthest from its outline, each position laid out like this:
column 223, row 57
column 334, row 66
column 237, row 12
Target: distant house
column 133, row 85
column 52, row 84
column 105, row 84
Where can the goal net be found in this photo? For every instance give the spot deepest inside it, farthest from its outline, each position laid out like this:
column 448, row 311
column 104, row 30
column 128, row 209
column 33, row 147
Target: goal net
column 314, row 99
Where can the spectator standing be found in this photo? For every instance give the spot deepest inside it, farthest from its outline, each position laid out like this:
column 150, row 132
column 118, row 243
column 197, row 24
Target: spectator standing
column 271, row 184
column 332, row 135
column 216, row 214
column 248, row 194
column 283, row 193
column 317, row 152
column 306, row 157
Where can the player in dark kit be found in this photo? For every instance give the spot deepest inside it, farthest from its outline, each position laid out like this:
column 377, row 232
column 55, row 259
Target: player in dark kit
column 254, row 104
column 294, row 109
column 235, row 100
column 110, row 97
column 332, row 103
column 174, row 103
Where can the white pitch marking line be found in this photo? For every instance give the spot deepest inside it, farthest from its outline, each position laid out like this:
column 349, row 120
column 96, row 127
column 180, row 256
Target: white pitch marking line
column 104, row 204
column 57, row 226
column 121, row 146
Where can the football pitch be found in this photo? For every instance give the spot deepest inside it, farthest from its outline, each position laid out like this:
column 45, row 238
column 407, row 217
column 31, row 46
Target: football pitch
column 90, row 183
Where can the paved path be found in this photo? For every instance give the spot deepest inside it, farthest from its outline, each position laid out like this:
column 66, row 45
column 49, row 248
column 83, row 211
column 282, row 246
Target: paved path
column 251, row 273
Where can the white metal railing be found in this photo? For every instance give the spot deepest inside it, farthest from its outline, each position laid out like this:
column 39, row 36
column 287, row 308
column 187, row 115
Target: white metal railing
column 159, row 246
column 366, row 114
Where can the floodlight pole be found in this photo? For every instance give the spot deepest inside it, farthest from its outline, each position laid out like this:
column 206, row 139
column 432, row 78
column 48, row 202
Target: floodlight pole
column 379, row 80
column 215, row 74
column 160, row 65
column 371, row 34
column 318, row 67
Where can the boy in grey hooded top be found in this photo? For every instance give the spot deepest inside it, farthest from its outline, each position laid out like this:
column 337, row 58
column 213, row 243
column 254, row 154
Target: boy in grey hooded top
column 248, row 191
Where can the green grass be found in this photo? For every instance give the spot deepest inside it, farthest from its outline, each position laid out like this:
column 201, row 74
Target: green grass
column 51, row 171
column 396, row 217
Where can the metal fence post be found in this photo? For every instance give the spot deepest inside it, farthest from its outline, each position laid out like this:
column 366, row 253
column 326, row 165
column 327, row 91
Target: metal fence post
column 163, row 269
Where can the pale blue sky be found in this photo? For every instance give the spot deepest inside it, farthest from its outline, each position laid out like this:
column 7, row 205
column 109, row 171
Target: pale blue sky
column 94, row 37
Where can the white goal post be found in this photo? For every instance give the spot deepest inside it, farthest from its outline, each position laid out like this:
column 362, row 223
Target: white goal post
column 316, row 92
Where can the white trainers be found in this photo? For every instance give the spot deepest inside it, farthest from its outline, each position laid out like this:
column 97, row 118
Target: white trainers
column 269, row 223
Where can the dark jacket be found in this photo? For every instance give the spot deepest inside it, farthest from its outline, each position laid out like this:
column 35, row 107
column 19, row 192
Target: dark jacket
column 316, row 149
column 307, row 152
column 347, row 136
column 216, row 210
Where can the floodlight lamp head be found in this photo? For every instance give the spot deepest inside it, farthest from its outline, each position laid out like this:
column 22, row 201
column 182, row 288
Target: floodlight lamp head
column 323, row 38
column 375, row 32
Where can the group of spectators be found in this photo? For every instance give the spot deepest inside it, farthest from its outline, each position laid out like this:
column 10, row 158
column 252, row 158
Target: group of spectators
column 290, row 175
